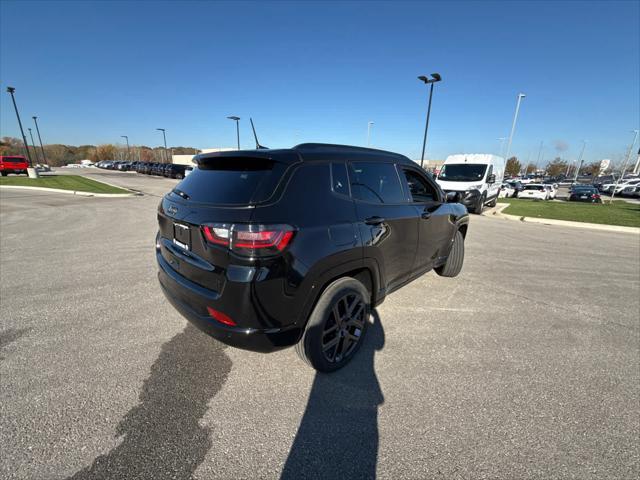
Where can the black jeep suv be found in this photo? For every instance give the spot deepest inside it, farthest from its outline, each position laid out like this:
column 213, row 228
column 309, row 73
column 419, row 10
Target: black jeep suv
column 266, row 249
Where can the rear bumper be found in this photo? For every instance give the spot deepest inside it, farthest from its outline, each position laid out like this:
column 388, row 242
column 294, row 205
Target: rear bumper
column 184, row 294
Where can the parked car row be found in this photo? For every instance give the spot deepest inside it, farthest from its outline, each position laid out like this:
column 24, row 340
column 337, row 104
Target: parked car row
column 537, row 191
column 170, row 170
column 626, row 186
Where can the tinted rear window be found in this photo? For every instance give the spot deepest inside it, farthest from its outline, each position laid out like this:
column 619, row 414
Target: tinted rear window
column 232, row 181
column 13, row 159
column 533, row 187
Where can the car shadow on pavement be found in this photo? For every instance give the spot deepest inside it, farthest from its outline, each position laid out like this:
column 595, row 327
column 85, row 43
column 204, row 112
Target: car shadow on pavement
column 10, row 335
column 338, row 434
column 163, row 438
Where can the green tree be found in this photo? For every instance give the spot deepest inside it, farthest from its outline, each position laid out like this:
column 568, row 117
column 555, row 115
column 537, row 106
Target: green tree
column 11, row 146
column 105, row 152
column 556, row 167
column 591, row 169
column 513, row 167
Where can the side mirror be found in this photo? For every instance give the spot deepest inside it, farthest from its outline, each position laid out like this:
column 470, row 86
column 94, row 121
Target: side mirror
column 491, row 178
column 451, row 197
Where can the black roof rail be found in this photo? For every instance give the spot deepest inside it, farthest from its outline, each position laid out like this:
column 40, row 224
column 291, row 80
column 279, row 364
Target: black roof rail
column 329, row 147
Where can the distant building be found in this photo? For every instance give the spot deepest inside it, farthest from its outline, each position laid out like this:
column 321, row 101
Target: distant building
column 188, row 159
column 432, row 166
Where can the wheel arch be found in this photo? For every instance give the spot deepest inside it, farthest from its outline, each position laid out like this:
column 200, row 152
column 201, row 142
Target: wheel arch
column 366, row 272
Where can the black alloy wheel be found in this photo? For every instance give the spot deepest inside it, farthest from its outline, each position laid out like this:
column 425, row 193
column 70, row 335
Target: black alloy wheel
column 343, row 327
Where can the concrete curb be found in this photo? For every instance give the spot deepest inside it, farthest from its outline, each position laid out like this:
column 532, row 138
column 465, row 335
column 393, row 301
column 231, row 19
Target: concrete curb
column 565, row 223
column 74, row 192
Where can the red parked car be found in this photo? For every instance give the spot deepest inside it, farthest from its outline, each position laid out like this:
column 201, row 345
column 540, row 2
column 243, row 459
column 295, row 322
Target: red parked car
column 13, row 164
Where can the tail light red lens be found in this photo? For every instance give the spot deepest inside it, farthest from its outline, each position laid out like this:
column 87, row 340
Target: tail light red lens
column 250, row 240
column 221, row 317
column 218, row 234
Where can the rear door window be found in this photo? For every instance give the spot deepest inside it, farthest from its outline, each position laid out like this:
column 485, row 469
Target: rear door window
column 375, row 182
column 232, row 181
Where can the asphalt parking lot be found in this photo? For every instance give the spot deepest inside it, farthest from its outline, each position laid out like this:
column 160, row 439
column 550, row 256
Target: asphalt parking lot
column 525, row 366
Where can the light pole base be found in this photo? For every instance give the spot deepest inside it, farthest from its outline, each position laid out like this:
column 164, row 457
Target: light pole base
column 33, row 173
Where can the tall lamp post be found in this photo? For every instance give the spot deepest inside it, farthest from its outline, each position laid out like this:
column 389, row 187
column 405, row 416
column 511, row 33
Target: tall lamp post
column 164, row 136
column 237, row 120
column 44, row 158
column 501, row 140
column 128, row 149
column 11, row 91
column 513, row 125
column 626, row 162
column 369, row 133
column 575, row 177
column 435, row 77
column 33, row 144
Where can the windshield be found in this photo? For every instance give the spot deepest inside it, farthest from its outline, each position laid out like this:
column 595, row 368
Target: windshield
column 462, row 172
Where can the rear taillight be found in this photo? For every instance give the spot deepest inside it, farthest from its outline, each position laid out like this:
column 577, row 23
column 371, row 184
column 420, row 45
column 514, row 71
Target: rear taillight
column 249, row 240
column 218, row 234
column 221, row 317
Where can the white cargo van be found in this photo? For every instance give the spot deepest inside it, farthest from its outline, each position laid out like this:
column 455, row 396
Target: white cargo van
column 476, row 177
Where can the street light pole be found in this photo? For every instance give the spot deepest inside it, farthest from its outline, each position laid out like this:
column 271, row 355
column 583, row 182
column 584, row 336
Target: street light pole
column 624, row 168
column 237, row 120
column 575, row 177
column 11, row 91
column 164, row 136
column 513, row 125
column 369, row 134
column 44, row 158
column 539, row 154
column 435, row 77
column 128, row 150
column 33, row 144
column 501, row 140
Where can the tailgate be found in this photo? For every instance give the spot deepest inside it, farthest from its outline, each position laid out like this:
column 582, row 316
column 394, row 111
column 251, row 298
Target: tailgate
column 183, row 246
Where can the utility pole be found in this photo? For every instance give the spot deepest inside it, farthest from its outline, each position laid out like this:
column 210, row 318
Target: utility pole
column 33, row 144
column 164, row 136
column 11, row 91
column 237, row 120
column 369, row 134
column 435, row 77
column 575, row 177
column 513, row 125
column 624, row 168
column 539, row 153
column 44, row 157
column 501, row 140
column 128, row 150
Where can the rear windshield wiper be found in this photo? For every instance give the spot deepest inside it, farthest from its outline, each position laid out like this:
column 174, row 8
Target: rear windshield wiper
column 181, row 193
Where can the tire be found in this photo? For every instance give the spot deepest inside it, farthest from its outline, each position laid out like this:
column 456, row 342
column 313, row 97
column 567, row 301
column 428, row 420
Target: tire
column 179, row 176
column 493, row 202
column 340, row 296
column 4, row 174
column 454, row 262
column 478, row 207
